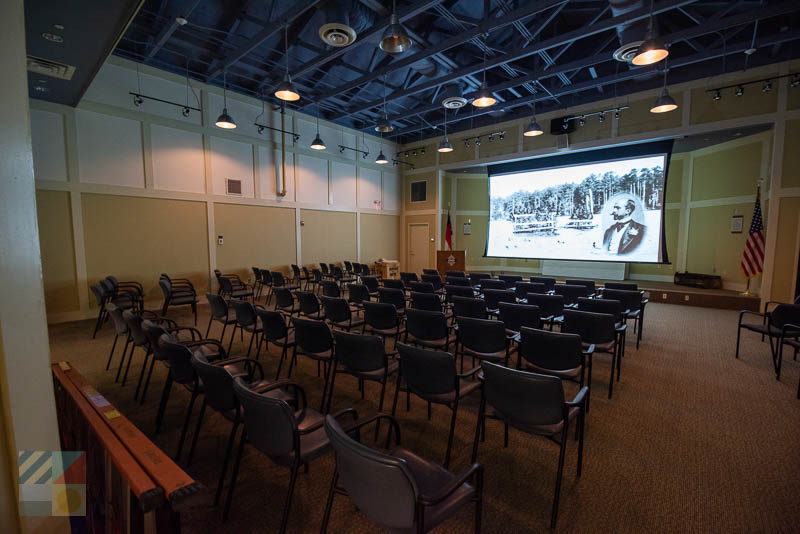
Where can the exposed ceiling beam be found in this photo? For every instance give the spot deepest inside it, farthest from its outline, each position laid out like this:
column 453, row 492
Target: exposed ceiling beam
column 266, row 32
column 168, row 30
column 616, row 78
column 486, row 25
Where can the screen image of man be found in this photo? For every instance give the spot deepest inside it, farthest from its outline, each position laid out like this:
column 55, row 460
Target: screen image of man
column 625, row 234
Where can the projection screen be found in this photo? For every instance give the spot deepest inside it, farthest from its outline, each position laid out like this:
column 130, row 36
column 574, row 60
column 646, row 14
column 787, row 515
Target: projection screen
column 601, row 205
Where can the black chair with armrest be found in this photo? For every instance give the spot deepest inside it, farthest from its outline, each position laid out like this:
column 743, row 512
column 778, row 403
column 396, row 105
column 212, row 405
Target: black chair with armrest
column 549, row 283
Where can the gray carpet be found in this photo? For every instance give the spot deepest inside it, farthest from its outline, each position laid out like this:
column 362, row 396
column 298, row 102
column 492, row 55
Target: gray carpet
column 693, row 441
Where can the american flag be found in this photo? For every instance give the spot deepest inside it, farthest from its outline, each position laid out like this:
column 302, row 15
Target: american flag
column 753, row 255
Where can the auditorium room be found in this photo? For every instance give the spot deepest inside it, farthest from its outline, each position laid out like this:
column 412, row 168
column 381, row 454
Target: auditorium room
column 510, row 266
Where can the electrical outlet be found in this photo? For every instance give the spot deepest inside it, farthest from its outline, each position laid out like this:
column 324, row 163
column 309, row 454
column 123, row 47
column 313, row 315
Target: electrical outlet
column 686, row 298
column 663, row 296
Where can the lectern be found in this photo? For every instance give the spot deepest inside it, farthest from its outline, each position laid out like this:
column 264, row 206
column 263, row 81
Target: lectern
column 450, row 260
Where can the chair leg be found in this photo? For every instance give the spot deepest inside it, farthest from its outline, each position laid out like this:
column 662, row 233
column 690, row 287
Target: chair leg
column 208, row 330
column 194, row 311
column 330, row 394
column 280, row 362
column 560, row 474
column 162, row 405
column 186, row 420
column 228, row 449
column 329, row 503
column 327, row 377
column 478, row 500
column 230, row 343
column 147, row 380
column 288, row 506
column 196, row 433
column 147, row 354
column 611, row 380
column 128, row 365
column 479, row 420
column 450, row 436
column 291, row 361
column 122, row 361
column 100, row 317
column 396, row 393
column 380, row 406
column 581, row 427
column 234, row 475
column 250, row 346
column 111, row 354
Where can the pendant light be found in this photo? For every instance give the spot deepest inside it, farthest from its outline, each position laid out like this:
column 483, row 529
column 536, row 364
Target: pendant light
column 381, row 159
column 384, row 126
column 484, row 98
column 652, row 49
column 286, row 90
column 317, row 143
column 395, row 39
column 444, row 144
column 225, row 121
column 533, row 129
column 664, row 103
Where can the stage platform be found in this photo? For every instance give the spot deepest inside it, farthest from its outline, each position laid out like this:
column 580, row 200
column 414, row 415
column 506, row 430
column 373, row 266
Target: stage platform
column 695, row 296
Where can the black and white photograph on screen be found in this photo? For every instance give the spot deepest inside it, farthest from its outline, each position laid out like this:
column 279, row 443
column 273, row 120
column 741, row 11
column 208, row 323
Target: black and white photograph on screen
column 608, row 211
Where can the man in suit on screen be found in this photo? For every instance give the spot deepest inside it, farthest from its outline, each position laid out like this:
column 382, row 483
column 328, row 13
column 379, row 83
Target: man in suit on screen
column 625, row 235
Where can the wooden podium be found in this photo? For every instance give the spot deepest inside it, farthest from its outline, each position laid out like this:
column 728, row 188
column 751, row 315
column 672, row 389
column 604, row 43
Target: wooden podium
column 450, row 260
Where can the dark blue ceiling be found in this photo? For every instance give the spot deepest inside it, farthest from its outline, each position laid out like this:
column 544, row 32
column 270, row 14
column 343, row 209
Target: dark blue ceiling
column 554, row 52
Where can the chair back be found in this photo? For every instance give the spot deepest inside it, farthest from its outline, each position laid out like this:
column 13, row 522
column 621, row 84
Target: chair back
column 588, row 284
column 274, row 324
column 108, row 286
column 134, row 322
column 283, row 298
column 434, row 279
column 381, row 486
column 296, row 271
column 481, row 335
column 549, row 283
column 359, row 353
column 337, row 310
column 393, row 296
column 179, row 358
column 245, row 313
column 493, row 297
column 593, row 327
column 421, row 287
column 475, row 279
column 523, row 288
column 625, row 286
column 571, row 293
column 330, row 288
column 784, row 314
column 426, row 325
column 217, row 382
column 266, row 277
column 510, row 279
column 357, row 293
column 549, row 305
column 120, row 326
column 306, row 274
column 348, row 266
column 492, row 284
column 225, row 285
column 269, row 422
column 316, row 275
column 309, row 304
column 392, row 283
column 380, row 315
column 256, row 274
column 469, row 307
column 99, row 293
column 551, row 350
column 338, row 273
column 154, row 333
column 218, row 306
column 371, row 282
column 426, row 301
column 427, row 372
column 458, row 291
column 458, row 274
column 523, row 399
column 407, row 278
column 324, row 268
column 311, row 336
column 458, row 281
column 515, row 316
column 166, row 288
column 631, row 300
column 614, row 307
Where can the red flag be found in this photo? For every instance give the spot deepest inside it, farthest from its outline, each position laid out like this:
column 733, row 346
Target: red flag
column 448, row 233
column 753, row 254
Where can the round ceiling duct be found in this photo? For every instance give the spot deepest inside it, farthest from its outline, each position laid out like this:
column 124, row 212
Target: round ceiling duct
column 337, row 34
column 454, row 102
column 627, row 52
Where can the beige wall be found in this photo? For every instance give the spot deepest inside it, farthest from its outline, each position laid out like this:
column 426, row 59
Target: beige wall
column 138, row 238
column 380, row 237
column 328, row 236
column 58, row 254
column 254, row 236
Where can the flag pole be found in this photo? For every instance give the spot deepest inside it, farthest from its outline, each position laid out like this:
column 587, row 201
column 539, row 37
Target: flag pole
column 747, row 292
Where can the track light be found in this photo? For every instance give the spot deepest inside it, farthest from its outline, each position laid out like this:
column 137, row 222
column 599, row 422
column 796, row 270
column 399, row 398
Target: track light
column 739, row 90
column 185, row 112
column 717, row 95
column 395, row 39
column 502, row 136
column 477, row 141
column 582, row 122
column 602, row 117
column 466, row 143
column 285, row 90
column 381, row 159
column 491, row 138
column 652, row 50
column 422, row 151
column 225, row 121
column 795, row 82
column 406, row 154
column 616, row 115
column 137, row 100
column 414, row 153
column 384, row 126
column 767, row 87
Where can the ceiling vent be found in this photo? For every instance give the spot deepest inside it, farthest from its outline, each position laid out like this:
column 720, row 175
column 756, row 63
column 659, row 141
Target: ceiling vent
column 337, row 34
column 50, row 68
column 626, row 52
column 452, row 97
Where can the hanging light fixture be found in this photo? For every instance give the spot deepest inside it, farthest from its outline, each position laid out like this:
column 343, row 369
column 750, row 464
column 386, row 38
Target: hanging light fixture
column 444, row 144
column 317, row 143
column 664, row 103
column 381, row 159
column 652, row 49
column 384, row 126
column 285, row 90
column 395, row 39
column 484, row 98
column 225, row 121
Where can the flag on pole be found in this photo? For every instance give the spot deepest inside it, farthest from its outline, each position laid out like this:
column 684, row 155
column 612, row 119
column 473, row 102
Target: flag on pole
column 448, row 233
column 753, row 255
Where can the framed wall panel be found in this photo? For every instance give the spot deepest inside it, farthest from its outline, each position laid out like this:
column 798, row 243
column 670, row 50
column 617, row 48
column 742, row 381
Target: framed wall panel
column 232, row 160
column 109, row 149
column 343, row 181
column 178, row 163
column 49, row 155
column 312, row 179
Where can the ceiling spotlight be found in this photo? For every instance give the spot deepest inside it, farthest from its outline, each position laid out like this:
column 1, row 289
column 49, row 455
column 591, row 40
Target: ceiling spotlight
column 406, row 153
column 602, row 117
column 395, row 39
column 491, row 138
column 381, row 159
column 652, row 49
column 137, row 100
column 533, row 129
column 717, row 95
column 616, row 114
column 767, row 87
column 260, row 129
column 186, row 112
column 739, row 90
column 502, row 136
column 582, row 122
column 795, row 82
column 466, row 143
column 285, row 90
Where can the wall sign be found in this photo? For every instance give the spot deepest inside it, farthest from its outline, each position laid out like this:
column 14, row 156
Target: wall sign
column 737, row 224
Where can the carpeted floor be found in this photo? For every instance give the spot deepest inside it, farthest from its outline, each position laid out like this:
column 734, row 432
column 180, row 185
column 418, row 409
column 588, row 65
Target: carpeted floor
column 693, row 441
